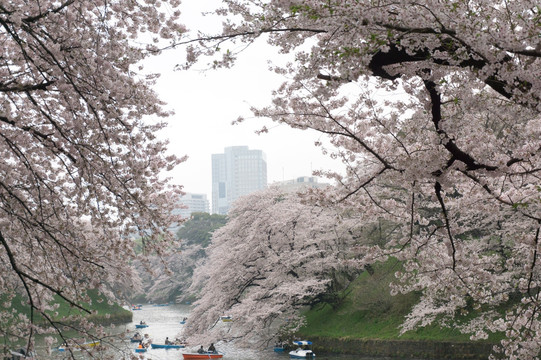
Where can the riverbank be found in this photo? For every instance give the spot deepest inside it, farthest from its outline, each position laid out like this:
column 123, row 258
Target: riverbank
column 65, row 314
column 113, row 317
column 365, row 320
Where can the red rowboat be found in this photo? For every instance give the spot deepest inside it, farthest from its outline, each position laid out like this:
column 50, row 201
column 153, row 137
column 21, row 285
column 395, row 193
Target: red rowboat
column 205, row 355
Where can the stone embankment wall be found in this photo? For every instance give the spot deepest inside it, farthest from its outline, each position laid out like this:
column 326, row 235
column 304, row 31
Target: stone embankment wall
column 404, row 349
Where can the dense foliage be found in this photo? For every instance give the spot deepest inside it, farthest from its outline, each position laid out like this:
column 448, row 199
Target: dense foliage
column 274, row 256
column 81, row 170
column 434, row 108
column 171, row 277
column 199, row 227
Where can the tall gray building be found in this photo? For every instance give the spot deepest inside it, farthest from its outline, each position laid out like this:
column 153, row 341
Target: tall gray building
column 237, row 172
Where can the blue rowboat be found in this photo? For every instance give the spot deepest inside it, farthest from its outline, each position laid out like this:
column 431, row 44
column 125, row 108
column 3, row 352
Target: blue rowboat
column 141, row 326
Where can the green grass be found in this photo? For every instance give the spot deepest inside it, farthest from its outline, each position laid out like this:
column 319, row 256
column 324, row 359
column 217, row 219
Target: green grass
column 370, row 312
column 104, row 312
column 99, row 304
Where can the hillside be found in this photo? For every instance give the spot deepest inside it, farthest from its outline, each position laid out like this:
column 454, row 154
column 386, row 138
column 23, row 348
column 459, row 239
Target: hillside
column 105, row 313
column 368, row 313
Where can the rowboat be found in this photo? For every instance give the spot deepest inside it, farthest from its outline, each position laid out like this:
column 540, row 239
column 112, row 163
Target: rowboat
column 85, row 345
column 303, row 351
column 90, row 344
column 22, row 354
column 226, row 318
column 141, row 326
column 140, row 350
column 136, row 338
column 166, row 346
column 205, row 355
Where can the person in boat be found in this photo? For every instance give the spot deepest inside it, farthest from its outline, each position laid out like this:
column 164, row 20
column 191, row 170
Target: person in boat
column 179, row 341
column 142, row 323
column 201, row 350
column 140, row 346
column 212, row 349
column 167, row 342
column 137, row 336
column 147, row 341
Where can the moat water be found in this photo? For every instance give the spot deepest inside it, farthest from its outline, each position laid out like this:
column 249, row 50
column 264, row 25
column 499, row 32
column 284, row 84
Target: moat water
column 165, row 321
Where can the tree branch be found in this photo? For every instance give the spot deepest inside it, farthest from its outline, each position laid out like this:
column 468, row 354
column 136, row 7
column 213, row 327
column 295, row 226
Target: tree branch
column 437, row 188
column 448, row 143
column 397, row 55
column 23, row 276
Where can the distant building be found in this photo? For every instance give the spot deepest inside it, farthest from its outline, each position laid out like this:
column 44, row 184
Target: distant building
column 237, row 172
column 193, row 203
column 188, row 204
column 300, row 183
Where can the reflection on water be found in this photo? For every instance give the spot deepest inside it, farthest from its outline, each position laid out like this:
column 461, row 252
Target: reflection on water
column 164, row 321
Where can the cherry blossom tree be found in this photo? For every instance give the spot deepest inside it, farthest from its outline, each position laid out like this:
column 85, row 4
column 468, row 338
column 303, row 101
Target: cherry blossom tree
column 82, row 170
column 274, row 256
column 170, row 277
column 434, row 108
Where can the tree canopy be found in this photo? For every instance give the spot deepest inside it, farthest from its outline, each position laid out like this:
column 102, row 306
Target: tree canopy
column 199, row 227
column 274, row 256
column 170, row 280
column 434, row 108
column 81, row 168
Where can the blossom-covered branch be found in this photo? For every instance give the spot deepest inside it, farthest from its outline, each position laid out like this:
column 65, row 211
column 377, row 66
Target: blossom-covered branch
column 434, row 109
column 81, row 169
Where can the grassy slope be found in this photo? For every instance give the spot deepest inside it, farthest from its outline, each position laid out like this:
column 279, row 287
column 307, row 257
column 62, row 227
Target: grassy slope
column 370, row 312
column 114, row 312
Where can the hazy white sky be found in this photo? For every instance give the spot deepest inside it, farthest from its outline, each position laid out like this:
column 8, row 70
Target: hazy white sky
column 205, row 104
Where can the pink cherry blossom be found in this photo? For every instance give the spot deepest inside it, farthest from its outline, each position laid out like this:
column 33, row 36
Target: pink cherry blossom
column 275, row 256
column 81, row 167
column 434, row 108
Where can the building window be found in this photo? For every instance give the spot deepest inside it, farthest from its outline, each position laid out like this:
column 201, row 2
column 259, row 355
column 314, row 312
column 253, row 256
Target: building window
column 221, row 190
